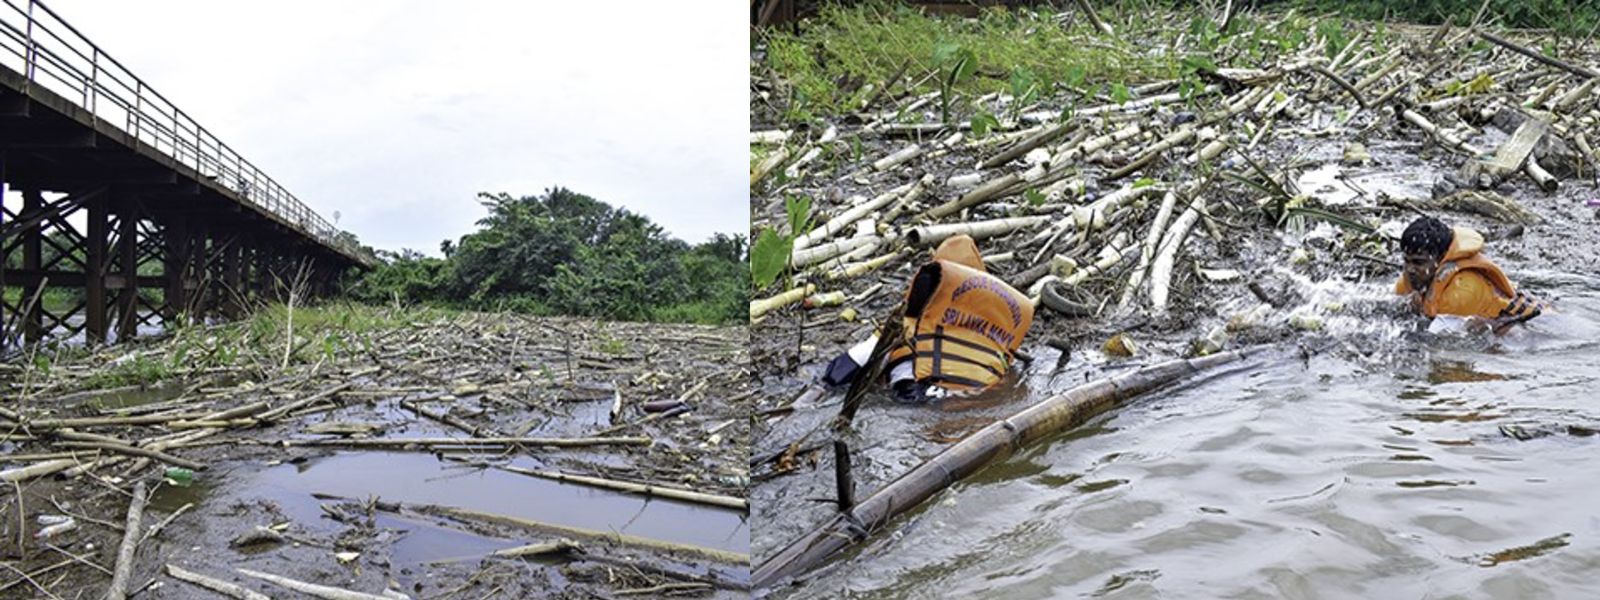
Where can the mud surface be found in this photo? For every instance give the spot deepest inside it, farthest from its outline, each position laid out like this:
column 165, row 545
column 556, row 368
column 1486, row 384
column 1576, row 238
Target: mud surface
column 413, row 519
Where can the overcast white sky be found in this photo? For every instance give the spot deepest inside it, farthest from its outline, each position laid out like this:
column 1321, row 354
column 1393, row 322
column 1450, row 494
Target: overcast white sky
column 396, row 113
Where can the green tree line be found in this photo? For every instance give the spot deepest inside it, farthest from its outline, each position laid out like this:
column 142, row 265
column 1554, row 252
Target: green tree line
column 566, row 253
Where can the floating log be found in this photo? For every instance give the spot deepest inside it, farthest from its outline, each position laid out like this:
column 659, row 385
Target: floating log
column 992, row 443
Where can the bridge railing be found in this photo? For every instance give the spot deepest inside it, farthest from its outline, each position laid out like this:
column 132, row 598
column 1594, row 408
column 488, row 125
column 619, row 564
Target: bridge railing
column 51, row 53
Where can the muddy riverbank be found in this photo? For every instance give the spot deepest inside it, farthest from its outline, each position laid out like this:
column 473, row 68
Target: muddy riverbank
column 1304, row 199
column 400, row 459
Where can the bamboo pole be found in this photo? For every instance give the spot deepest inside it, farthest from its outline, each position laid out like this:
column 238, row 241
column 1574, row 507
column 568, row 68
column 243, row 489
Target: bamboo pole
column 763, row 306
column 1161, row 268
column 989, row 190
column 118, row 590
column 216, row 585
column 1043, row 420
column 319, row 591
column 642, row 489
column 712, row 554
column 933, row 234
column 472, row 442
column 858, row 208
column 1158, row 228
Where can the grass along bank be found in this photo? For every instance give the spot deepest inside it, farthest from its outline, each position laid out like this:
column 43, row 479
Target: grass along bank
column 270, row 340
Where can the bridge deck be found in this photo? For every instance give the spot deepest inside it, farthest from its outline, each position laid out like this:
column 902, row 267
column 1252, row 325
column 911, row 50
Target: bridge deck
column 173, row 221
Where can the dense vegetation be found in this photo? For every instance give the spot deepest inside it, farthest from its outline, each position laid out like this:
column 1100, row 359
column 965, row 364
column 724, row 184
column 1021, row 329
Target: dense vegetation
column 834, row 61
column 566, row 253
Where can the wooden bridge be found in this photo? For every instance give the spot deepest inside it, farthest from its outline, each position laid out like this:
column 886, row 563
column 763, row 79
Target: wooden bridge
column 122, row 213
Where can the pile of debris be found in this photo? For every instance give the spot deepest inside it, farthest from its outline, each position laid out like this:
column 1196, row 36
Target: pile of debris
column 1194, row 214
column 1088, row 209
column 636, row 410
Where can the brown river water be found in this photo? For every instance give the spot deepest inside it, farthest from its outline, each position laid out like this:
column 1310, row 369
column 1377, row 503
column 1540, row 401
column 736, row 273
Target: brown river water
column 1393, row 464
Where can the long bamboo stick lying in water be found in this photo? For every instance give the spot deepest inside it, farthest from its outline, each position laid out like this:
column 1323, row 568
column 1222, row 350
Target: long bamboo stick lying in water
column 995, row 442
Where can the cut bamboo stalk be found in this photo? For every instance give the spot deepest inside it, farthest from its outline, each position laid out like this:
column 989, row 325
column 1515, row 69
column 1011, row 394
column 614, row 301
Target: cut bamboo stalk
column 992, row 443
column 1110, row 256
column 1572, row 97
column 1589, row 154
column 857, row 269
column 768, row 164
column 1546, row 181
column 635, row 488
column 1088, row 12
column 1444, row 137
column 216, row 585
column 558, row 546
column 858, row 208
column 793, row 171
column 903, row 204
column 666, row 414
column 319, row 591
column 1158, row 228
column 131, row 533
column 901, row 156
column 933, row 234
column 713, row 554
column 989, row 190
column 771, row 136
column 763, row 306
column 1161, row 268
column 1584, row 72
column 471, row 442
column 452, row 420
column 801, row 259
column 324, row 394
column 1182, row 136
column 137, row 451
column 1026, row 145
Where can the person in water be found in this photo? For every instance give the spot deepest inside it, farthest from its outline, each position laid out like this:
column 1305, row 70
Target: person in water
column 961, row 330
column 1445, row 273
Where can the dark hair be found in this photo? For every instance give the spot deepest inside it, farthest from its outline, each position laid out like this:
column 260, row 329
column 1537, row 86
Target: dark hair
column 1426, row 235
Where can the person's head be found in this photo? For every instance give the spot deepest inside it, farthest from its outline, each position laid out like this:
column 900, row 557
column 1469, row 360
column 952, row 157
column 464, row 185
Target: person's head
column 1424, row 243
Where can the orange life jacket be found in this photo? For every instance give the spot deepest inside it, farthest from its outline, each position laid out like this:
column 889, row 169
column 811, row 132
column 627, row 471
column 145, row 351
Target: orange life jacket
column 961, row 324
column 1468, row 284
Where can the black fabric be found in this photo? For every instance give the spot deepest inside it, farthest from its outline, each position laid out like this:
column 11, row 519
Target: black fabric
column 1426, row 235
column 922, row 288
column 841, row 371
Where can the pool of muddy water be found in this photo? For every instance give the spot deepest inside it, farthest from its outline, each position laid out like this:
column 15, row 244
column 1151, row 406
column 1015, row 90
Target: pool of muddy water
column 1437, row 463
column 420, row 478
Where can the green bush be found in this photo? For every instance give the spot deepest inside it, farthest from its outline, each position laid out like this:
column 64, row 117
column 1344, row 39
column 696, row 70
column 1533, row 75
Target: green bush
column 566, row 253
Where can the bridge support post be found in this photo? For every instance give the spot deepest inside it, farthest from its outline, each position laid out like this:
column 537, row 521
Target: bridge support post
column 127, row 265
column 199, row 279
column 5, row 257
column 176, row 241
column 94, row 271
column 32, row 259
column 232, row 295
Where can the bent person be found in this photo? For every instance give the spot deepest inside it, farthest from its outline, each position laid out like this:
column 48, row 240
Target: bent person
column 962, row 329
column 1445, row 273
